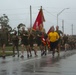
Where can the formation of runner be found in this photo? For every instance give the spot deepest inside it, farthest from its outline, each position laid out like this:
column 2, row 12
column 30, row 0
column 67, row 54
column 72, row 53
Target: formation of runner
column 34, row 40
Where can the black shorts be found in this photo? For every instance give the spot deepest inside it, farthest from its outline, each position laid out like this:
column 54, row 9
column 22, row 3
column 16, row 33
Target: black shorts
column 31, row 44
column 25, row 42
column 2, row 41
column 15, row 43
column 39, row 42
column 53, row 45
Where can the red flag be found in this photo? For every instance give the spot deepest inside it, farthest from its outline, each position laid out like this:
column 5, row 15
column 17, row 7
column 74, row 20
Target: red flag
column 48, row 43
column 39, row 21
column 49, row 30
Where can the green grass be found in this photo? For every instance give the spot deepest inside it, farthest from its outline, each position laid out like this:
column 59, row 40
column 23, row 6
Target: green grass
column 7, row 53
column 8, row 48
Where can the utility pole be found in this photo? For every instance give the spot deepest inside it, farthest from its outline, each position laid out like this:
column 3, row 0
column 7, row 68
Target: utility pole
column 72, row 29
column 63, row 26
column 30, row 17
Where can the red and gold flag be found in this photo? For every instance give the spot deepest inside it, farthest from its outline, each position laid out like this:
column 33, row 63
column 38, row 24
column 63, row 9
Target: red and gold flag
column 39, row 21
column 49, row 30
column 48, row 43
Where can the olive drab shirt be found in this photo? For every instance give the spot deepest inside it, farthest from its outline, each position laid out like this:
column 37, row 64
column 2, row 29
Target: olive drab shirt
column 59, row 32
column 15, row 38
column 24, row 35
column 3, row 36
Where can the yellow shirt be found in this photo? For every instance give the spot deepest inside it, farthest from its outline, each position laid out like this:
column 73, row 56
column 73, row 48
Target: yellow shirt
column 53, row 36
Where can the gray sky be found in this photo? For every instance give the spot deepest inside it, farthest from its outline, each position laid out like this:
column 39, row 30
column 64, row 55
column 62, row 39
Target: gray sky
column 18, row 11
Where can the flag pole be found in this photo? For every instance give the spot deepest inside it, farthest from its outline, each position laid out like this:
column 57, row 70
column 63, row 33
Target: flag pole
column 42, row 16
column 30, row 17
column 39, row 20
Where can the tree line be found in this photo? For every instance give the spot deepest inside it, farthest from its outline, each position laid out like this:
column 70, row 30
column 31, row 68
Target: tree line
column 4, row 23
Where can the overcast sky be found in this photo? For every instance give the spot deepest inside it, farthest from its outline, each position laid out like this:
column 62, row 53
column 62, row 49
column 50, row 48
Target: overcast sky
column 18, row 11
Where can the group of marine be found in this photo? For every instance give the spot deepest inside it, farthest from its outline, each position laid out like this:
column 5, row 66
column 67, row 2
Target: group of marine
column 34, row 40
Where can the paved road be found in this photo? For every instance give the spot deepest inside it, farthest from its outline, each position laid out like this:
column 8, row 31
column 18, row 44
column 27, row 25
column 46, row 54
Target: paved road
column 46, row 65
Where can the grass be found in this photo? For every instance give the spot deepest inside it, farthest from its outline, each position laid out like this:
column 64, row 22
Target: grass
column 8, row 48
column 7, row 53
